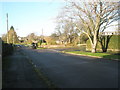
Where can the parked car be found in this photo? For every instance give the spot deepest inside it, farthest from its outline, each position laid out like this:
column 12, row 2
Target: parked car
column 34, row 46
column 18, row 45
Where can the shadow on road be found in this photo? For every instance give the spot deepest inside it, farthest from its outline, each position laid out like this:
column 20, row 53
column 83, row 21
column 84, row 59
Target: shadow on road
column 18, row 73
column 115, row 56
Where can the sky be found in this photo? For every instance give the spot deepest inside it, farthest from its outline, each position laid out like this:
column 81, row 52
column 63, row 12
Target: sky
column 30, row 17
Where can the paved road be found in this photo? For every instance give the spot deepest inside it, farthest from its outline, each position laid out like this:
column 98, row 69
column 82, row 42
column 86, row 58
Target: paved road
column 69, row 71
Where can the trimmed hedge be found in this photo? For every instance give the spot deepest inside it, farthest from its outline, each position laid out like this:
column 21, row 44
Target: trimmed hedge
column 113, row 44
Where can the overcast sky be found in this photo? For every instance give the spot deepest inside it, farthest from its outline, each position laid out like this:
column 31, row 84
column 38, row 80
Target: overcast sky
column 30, row 17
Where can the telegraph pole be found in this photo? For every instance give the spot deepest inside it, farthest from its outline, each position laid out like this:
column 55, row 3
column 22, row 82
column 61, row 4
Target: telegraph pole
column 7, row 29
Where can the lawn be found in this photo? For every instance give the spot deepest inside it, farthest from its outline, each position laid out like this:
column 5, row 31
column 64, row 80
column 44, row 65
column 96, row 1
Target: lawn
column 98, row 54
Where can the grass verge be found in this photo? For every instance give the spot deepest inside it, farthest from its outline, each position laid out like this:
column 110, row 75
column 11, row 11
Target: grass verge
column 41, row 48
column 98, row 54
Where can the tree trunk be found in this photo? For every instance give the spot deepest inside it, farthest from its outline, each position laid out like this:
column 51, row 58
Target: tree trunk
column 104, row 41
column 94, row 48
column 94, row 45
column 104, row 50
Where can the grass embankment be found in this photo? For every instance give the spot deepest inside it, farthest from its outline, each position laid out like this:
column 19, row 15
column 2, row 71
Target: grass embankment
column 98, row 54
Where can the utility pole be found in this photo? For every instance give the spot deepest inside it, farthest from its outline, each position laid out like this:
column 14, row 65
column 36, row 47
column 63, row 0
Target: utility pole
column 7, row 29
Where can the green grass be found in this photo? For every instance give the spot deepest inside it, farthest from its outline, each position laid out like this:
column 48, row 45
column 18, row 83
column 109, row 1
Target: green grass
column 41, row 48
column 26, row 45
column 102, row 55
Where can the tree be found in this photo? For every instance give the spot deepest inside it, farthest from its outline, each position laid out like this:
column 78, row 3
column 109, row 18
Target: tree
column 83, row 38
column 4, row 37
column 54, row 36
column 12, row 36
column 32, row 37
column 66, row 29
column 50, row 40
column 93, row 17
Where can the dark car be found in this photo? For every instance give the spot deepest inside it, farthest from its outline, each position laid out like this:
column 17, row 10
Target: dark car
column 17, row 45
column 34, row 46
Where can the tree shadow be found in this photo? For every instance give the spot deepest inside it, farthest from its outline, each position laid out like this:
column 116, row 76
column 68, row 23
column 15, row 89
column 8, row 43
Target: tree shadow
column 115, row 56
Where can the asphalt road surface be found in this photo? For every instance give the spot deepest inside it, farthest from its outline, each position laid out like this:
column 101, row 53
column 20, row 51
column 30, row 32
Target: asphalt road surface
column 70, row 71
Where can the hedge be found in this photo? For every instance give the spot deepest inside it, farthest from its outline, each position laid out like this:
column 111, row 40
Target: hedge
column 113, row 44
column 7, row 49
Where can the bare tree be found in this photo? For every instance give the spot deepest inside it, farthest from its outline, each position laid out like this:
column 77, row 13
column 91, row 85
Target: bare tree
column 93, row 17
column 66, row 29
